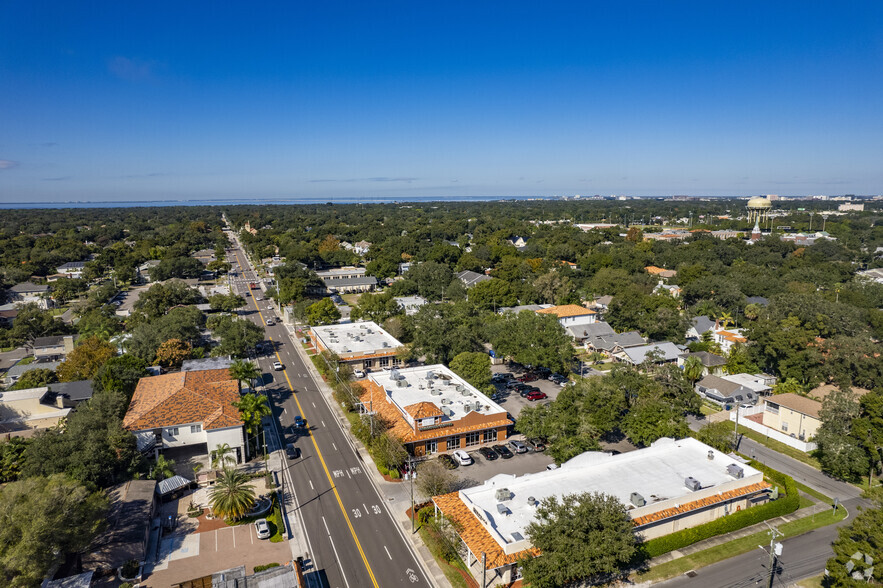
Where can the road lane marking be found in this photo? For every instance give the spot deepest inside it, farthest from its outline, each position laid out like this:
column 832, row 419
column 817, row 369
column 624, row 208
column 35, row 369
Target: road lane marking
column 323, row 424
column 387, row 552
column 334, row 446
column 311, row 485
column 324, row 467
column 314, row 405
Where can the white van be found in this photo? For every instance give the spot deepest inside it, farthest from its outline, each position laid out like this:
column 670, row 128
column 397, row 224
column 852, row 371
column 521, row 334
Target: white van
column 462, row 457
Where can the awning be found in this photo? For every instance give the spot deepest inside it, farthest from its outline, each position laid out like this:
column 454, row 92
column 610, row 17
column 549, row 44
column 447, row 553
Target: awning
column 172, row 484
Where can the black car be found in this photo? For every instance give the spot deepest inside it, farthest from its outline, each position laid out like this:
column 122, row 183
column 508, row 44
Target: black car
column 524, row 392
column 536, row 445
column 447, row 461
column 487, row 453
column 291, row 451
column 502, row 451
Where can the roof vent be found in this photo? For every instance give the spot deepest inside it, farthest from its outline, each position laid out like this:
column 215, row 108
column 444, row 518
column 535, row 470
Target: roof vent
column 532, row 501
column 435, row 392
column 692, row 483
column 503, row 509
column 384, row 344
column 637, row 499
column 710, row 455
column 401, row 383
column 735, row 471
column 516, row 536
column 503, row 494
column 395, row 375
column 430, row 375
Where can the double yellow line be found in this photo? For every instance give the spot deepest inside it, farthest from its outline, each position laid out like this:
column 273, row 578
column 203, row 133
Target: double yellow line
column 318, row 451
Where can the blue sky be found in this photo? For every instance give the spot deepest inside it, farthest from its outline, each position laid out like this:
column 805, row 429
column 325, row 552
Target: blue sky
column 136, row 101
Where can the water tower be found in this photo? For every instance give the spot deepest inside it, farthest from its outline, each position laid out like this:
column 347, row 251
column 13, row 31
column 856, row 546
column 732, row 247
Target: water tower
column 759, row 209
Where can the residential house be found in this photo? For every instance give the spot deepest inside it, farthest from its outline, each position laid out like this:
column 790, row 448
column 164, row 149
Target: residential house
column 725, row 392
column 27, row 292
column 523, row 307
column 8, row 312
column 146, row 268
column 571, row 315
column 72, row 269
column 470, row 278
column 669, row 486
column 433, row 410
column 52, row 348
column 672, row 290
column 187, row 409
column 410, row 304
column 792, row 414
column 204, row 256
column 698, row 327
column 23, row 412
column 760, row 384
column 663, row 352
column 729, row 338
column 601, row 304
column 14, row 373
column 518, row 242
column 364, row 345
column 129, row 522
column 581, row 333
column 361, row 247
column 613, row 344
column 874, row 275
column 661, row 272
column 711, row 364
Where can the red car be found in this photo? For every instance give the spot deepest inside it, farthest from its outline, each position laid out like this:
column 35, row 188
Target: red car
column 527, row 378
column 536, row 396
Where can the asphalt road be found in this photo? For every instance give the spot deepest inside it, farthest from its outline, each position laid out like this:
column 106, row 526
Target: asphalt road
column 352, row 539
column 802, row 557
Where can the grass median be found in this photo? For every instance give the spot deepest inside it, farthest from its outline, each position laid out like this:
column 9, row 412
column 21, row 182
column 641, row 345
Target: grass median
column 738, row 546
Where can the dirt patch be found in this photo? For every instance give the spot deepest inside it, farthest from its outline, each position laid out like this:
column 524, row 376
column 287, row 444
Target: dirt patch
column 207, row 524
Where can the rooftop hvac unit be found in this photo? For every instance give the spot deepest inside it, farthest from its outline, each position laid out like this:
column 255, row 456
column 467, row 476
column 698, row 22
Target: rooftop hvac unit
column 710, row 455
column 503, row 494
column 445, row 401
column 430, row 375
column 395, row 375
column 435, row 392
column 692, row 483
column 401, row 383
column 637, row 499
column 447, row 411
column 735, row 471
column 461, row 388
column 384, row 344
column 532, row 501
column 503, row 509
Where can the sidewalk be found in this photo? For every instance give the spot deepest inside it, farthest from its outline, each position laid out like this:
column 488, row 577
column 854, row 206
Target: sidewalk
column 721, row 539
column 396, row 495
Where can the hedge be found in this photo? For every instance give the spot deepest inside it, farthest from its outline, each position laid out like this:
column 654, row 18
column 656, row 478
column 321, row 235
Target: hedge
column 733, row 522
column 265, row 567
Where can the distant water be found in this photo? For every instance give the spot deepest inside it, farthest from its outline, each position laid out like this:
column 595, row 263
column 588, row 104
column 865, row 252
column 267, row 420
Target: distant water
column 233, row 202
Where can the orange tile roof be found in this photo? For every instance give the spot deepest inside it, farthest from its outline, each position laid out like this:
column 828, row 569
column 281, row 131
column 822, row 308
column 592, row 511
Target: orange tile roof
column 661, row 515
column 566, row 310
column 479, row 540
column 733, row 337
column 423, row 409
column 375, row 399
column 652, row 269
column 205, row 396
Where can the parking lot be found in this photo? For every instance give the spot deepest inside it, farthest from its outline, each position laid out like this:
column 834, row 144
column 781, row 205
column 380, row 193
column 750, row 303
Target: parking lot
column 482, row 469
column 512, row 400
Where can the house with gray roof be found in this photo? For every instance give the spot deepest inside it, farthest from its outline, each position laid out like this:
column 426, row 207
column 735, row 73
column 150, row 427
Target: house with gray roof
column 711, row 363
column 470, row 278
column 664, row 351
column 72, row 269
column 724, row 392
column 28, row 292
column 19, row 369
column 52, row 348
column 698, row 326
column 132, row 508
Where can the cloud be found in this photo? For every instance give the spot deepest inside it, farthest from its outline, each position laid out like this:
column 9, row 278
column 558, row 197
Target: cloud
column 6, row 164
column 374, row 179
column 131, row 70
column 58, row 179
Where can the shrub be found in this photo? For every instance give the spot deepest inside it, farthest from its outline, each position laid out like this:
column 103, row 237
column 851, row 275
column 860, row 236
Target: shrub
column 130, row 568
column 783, row 505
column 265, row 567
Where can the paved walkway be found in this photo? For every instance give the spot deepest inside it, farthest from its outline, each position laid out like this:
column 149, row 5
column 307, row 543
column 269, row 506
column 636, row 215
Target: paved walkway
column 397, row 495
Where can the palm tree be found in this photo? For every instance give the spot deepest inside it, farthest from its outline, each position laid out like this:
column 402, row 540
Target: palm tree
column 163, row 468
column 221, row 455
column 725, row 319
column 244, row 371
column 693, row 368
column 232, row 495
column 252, row 409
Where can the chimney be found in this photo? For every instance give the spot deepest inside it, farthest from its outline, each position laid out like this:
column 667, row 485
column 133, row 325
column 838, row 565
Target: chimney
column 68, row 344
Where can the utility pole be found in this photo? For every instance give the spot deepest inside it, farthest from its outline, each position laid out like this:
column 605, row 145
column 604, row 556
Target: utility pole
column 483, row 569
column 775, row 551
column 411, row 477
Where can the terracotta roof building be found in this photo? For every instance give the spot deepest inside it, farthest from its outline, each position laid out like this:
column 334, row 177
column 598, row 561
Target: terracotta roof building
column 570, row 315
column 668, row 486
column 433, row 410
column 186, row 409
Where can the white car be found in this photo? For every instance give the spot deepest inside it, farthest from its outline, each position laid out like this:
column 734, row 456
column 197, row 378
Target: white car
column 277, row 366
column 462, row 457
column 262, row 528
column 358, row 374
column 270, row 322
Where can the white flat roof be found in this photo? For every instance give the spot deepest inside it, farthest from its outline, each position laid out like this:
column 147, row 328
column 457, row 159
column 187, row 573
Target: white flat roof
column 753, row 383
column 445, row 389
column 24, row 394
column 356, row 338
column 657, row 473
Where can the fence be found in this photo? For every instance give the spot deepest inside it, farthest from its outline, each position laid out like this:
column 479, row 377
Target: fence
column 804, row 446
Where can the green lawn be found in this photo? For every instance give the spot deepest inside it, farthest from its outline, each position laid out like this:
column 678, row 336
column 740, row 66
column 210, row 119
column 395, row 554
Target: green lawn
column 781, row 447
column 707, row 410
column 814, row 493
column 737, row 546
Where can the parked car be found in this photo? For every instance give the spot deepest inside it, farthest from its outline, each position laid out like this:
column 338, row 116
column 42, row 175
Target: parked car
column 358, row 374
column 496, row 397
column 277, row 366
column 552, row 466
column 536, row 444
column 262, row 528
column 513, row 385
column 558, row 379
column 501, row 378
column 534, row 396
column 517, row 446
column 299, row 422
column 528, row 390
column 462, row 457
column 502, row 451
column 270, row 322
column 447, row 461
column 528, row 377
column 291, row 451
column 488, row 453
column 542, row 372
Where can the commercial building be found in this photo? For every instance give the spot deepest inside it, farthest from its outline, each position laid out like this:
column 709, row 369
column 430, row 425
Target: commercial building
column 348, row 279
column 433, row 409
column 362, row 345
column 669, row 486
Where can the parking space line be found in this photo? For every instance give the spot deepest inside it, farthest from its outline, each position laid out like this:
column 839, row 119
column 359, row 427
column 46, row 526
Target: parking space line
column 234, row 537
